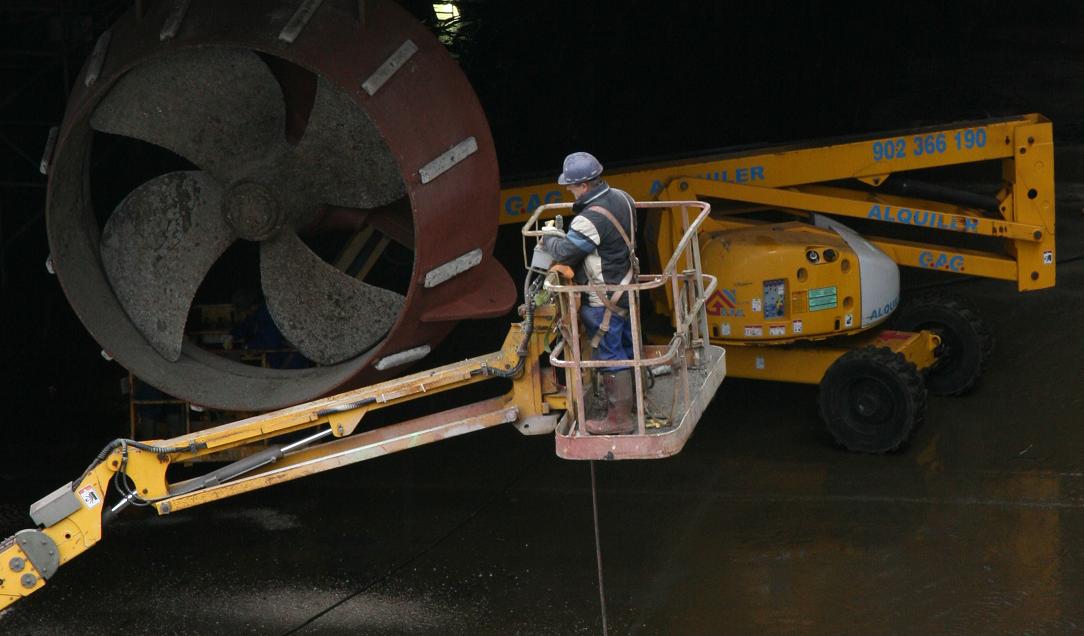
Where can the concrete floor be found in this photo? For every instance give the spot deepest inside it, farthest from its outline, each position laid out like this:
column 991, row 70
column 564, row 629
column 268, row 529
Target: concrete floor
column 759, row 526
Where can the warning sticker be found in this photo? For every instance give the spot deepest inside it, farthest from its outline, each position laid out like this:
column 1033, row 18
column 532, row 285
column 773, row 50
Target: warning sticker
column 777, row 330
column 759, row 362
column 724, row 302
column 1048, row 257
column 823, row 298
column 89, row 496
column 726, row 328
column 775, row 295
column 754, row 331
column 756, row 304
column 848, row 320
column 796, row 326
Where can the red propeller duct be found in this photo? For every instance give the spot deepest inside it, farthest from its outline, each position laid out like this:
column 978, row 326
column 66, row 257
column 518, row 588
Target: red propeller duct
column 285, row 114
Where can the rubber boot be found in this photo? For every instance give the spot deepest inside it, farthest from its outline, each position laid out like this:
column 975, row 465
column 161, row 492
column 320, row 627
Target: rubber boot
column 620, row 401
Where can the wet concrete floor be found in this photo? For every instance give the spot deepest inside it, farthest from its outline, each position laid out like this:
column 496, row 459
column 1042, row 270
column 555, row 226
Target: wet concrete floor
column 759, row 526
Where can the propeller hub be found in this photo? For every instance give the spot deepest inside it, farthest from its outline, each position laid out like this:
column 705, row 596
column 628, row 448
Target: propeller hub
column 252, row 211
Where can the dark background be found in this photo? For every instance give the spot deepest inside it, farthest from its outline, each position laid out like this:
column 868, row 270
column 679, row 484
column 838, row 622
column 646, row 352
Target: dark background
column 760, row 525
column 627, row 81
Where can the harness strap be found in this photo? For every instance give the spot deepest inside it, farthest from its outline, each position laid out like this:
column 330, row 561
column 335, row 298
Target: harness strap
column 611, row 302
column 612, row 219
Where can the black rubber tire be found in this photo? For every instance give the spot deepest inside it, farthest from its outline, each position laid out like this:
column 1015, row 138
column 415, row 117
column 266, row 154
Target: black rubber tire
column 872, row 400
column 966, row 340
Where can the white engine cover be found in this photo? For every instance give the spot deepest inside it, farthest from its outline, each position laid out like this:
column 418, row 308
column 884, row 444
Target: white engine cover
column 879, row 274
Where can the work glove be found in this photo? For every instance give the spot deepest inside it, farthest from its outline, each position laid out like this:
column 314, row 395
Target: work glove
column 550, row 229
column 550, row 235
column 563, row 270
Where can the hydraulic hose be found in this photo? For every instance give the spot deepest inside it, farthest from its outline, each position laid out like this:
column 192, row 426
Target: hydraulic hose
column 124, row 443
column 531, row 285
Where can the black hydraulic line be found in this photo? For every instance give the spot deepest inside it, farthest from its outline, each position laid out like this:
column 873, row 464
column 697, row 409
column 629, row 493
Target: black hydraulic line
column 246, row 464
column 213, row 478
column 231, row 471
column 530, row 288
column 944, row 194
column 122, row 443
column 192, row 447
column 342, row 408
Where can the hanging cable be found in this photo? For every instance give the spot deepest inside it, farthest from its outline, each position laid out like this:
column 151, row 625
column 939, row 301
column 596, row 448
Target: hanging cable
column 598, row 551
column 123, row 444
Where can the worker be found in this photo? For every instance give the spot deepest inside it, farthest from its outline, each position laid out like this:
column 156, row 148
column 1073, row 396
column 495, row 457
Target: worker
column 600, row 247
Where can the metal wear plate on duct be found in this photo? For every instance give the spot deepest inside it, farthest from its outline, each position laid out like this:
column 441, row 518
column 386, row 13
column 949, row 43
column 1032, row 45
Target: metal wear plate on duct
column 47, row 154
column 401, row 358
column 446, row 161
column 388, row 68
column 97, row 58
column 300, row 18
column 173, row 21
column 453, row 268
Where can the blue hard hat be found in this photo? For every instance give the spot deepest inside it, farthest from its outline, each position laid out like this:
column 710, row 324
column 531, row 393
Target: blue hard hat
column 579, row 167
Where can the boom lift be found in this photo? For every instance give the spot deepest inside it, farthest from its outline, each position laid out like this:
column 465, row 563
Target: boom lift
column 678, row 379
column 802, row 300
column 279, row 134
column 808, row 299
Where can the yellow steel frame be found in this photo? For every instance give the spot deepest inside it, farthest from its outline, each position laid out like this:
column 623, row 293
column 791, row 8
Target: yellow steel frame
column 807, row 364
column 791, row 177
column 532, row 394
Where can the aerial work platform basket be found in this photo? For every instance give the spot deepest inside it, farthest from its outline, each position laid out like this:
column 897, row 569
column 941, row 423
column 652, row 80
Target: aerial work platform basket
column 673, row 382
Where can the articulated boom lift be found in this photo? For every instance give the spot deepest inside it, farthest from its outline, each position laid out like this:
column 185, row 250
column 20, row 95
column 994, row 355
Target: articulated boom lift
column 802, row 300
column 678, row 379
column 302, row 120
column 808, row 299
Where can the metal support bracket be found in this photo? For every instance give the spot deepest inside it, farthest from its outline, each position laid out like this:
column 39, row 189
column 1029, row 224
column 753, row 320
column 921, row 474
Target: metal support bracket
column 40, row 550
column 56, row 506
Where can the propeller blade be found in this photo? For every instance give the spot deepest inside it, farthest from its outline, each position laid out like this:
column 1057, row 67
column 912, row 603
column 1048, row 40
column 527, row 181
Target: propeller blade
column 329, row 316
column 157, row 247
column 342, row 157
column 219, row 108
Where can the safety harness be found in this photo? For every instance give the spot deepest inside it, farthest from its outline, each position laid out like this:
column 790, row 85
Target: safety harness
column 611, row 302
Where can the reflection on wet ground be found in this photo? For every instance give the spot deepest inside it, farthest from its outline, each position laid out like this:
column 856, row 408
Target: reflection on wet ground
column 759, row 526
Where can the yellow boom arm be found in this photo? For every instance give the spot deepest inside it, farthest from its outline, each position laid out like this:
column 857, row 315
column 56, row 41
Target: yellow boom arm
column 793, row 178
column 71, row 518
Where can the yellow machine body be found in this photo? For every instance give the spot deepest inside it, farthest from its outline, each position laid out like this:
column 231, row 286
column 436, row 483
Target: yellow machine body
column 840, row 179
column 781, row 282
